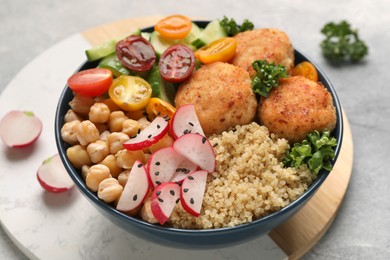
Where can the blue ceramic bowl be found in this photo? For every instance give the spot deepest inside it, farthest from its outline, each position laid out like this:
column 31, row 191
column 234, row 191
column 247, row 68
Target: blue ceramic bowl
column 184, row 238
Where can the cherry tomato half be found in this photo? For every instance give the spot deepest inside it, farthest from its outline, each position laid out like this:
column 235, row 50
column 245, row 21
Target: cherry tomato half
column 219, row 50
column 130, row 92
column 174, row 27
column 159, row 107
column 91, row 82
column 136, row 53
column 307, row 70
column 177, row 63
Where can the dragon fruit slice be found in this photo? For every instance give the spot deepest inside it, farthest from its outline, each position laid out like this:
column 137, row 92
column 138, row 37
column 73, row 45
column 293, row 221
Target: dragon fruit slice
column 185, row 121
column 197, row 149
column 135, row 190
column 163, row 200
column 150, row 135
column 192, row 192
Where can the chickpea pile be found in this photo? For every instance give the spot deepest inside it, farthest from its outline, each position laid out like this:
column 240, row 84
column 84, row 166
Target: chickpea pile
column 96, row 129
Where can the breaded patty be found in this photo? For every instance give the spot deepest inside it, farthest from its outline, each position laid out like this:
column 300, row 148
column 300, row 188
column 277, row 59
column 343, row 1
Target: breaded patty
column 297, row 107
column 222, row 96
column 263, row 44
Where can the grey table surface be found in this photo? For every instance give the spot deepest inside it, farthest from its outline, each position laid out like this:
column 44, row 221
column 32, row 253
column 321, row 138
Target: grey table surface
column 361, row 228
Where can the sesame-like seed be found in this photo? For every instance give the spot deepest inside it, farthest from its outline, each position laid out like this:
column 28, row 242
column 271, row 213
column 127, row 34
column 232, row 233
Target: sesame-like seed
column 156, row 173
column 185, row 190
column 135, row 197
column 158, row 182
column 157, row 163
column 192, row 201
column 177, row 200
column 149, row 136
column 190, row 177
column 158, row 126
column 191, row 124
column 204, row 140
column 160, row 199
column 158, row 193
column 172, row 192
column 185, row 131
column 139, row 165
column 214, row 145
column 139, row 130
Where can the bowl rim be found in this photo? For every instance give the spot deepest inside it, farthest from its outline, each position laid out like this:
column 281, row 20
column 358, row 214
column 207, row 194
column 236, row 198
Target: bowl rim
column 80, row 183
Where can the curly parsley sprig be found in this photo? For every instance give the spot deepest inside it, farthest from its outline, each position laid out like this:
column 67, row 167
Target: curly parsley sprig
column 232, row 28
column 317, row 151
column 342, row 43
column 267, row 76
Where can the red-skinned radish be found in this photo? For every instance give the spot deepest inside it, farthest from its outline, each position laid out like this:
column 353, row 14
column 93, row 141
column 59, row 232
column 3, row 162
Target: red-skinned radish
column 163, row 200
column 20, row 129
column 52, row 175
column 185, row 121
column 166, row 163
column 197, row 149
column 192, row 192
column 154, row 132
column 135, row 190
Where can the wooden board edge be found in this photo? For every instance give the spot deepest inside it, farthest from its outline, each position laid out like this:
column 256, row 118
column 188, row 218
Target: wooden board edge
column 300, row 233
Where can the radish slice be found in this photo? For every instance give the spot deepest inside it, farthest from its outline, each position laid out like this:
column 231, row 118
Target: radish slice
column 185, row 121
column 197, row 149
column 150, row 135
column 192, row 192
column 136, row 188
column 163, row 200
column 53, row 176
column 19, row 129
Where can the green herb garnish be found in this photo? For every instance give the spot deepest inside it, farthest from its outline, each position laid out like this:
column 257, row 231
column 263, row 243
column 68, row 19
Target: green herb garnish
column 342, row 43
column 316, row 151
column 231, row 28
column 267, row 76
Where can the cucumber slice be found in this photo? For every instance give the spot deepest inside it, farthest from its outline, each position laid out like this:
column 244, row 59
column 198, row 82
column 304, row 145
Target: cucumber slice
column 106, row 48
column 159, row 43
column 112, row 63
column 161, row 88
column 146, row 35
column 192, row 35
column 213, row 31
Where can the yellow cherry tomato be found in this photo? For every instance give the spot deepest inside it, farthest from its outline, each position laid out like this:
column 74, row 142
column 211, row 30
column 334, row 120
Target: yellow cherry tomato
column 159, row 107
column 130, row 93
column 174, row 26
column 219, row 50
column 307, row 70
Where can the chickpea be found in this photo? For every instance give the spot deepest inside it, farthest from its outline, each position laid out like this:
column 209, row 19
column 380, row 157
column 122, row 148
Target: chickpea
column 99, row 113
column 81, row 104
column 115, row 121
column 98, row 150
column 126, row 159
column 96, row 174
column 116, row 140
column 71, row 115
column 69, row 132
column 166, row 141
column 84, row 171
column 87, row 132
column 104, row 135
column 111, row 104
column 78, row 156
column 130, row 127
column 123, row 176
column 109, row 190
column 143, row 122
column 110, row 162
column 146, row 212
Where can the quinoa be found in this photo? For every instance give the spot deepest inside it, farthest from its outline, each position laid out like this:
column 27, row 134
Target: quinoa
column 250, row 181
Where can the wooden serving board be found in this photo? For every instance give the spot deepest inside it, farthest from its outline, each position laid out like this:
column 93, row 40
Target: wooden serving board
column 299, row 234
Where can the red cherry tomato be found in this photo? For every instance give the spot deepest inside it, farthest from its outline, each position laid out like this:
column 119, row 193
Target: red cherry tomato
column 177, row 63
column 91, row 82
column 136, row 53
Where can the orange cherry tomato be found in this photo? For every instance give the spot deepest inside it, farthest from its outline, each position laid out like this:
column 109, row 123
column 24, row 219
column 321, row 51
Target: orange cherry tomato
column 219, row 50
column 174, row 26
column 307, row 70
column 91, row 82
column 159, row 107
